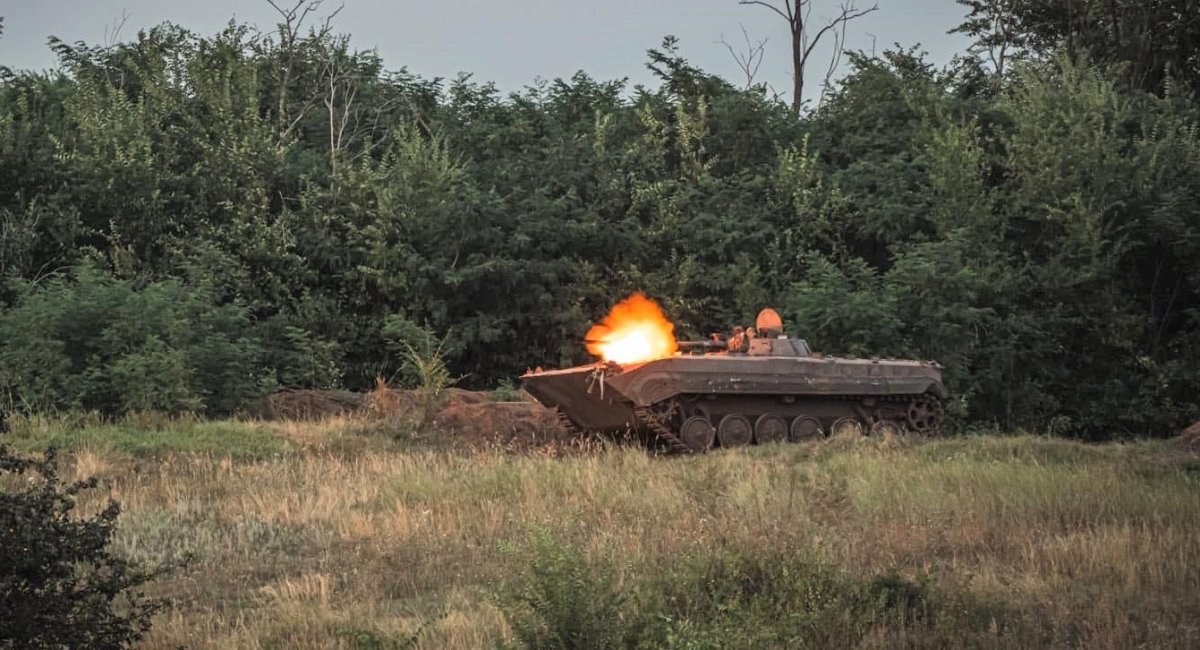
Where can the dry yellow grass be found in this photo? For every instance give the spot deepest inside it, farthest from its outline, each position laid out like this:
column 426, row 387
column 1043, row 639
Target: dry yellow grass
column 346, row 541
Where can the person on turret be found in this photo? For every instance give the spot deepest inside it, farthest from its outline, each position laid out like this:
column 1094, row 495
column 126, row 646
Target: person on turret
column 738, row 338
column 740, row 341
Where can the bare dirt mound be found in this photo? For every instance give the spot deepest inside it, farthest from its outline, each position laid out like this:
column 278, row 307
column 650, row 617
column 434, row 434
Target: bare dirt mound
column 392, row 402
column 461, row 396
column 388, row 402
column 1189, row 438
column 514, row 425
column 292, row 404
column 464, row 418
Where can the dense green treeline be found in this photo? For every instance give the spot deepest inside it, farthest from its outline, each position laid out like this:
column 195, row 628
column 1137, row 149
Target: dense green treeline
column 187, row 222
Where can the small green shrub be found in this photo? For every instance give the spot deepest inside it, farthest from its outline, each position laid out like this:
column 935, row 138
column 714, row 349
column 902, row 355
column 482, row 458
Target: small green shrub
column 743, row 599
column 506, row 392
column 560, row 600
column 423, row 368
column 59, row 584
column 892, row 595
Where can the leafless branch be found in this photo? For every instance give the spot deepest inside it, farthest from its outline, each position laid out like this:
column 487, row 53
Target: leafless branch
column 113, row 33
column 798, row 19
column 848, row 13
column 1002, row 25
column 328, row 21
column 786, row 3
column 292, row 19
column 839, row 47
column 751, row 59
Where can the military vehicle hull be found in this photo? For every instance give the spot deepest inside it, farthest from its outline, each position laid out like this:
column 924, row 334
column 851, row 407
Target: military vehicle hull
column 777, row 392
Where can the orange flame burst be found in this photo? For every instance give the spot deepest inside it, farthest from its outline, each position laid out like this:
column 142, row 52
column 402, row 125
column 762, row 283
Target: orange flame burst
column 635, row 331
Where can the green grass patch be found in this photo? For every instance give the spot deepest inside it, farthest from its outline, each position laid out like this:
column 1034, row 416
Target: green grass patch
column 730, row 598
column 155, row 438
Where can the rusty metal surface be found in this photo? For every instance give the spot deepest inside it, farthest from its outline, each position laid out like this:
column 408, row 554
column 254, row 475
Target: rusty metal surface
column 581, row 395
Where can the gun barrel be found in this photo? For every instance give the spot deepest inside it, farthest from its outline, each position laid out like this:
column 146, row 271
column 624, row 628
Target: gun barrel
column 706, row 346
column 690, row 346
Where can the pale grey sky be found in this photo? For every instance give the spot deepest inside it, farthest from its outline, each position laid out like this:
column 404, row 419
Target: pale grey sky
column 510, row 42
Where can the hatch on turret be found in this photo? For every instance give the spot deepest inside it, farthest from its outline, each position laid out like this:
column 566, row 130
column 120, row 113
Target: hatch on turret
column 769, row 324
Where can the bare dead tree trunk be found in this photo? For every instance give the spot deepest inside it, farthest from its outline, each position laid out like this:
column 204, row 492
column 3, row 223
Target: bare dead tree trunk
column 796, row 27
column 289, row 32
column 796, row 14
column 340, row 92
column 293, row 18
column 1002, row 24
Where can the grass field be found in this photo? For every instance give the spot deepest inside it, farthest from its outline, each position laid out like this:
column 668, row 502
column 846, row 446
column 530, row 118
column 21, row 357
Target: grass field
column 340, row 535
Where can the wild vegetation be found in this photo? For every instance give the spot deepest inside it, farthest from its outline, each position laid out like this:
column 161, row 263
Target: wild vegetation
column 61, row 586
column 188, row 222
column 338, row 534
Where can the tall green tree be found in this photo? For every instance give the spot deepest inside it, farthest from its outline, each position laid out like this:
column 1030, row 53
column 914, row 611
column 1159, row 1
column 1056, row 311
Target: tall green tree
column 1147, row 42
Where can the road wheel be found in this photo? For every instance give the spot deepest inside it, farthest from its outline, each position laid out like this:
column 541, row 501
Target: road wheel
column 697, row 433
column 734, row 431
column 886, row 429
column 847, row 427
column 770, row 428
column 805, row 428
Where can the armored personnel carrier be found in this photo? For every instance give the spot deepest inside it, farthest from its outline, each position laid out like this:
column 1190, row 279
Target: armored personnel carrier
column 749, row 390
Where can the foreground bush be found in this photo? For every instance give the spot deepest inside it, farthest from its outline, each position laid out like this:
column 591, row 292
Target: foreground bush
column 59, row 584
column 560, row 600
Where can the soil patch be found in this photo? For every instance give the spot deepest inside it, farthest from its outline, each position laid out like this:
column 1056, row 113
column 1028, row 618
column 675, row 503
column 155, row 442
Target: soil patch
column 461, row 396
column 389, row 403
column 292, row 404
column 1189, row 438
column 466, row 418
column 512, row 425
